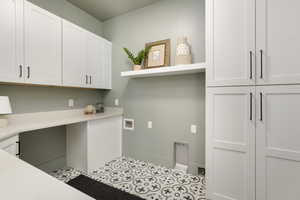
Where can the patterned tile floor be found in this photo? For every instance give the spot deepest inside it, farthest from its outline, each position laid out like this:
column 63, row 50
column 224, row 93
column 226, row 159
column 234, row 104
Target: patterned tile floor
column 144, row 179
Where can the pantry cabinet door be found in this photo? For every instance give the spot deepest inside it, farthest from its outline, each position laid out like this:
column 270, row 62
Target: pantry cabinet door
column 11, row 48
column 231, row 50
column 231, row 143
column 74, row 55
column 278, row 143
column 42, row 46
column 95, row 61
column 278, row 42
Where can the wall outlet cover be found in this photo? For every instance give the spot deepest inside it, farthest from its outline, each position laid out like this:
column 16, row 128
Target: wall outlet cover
column 193, row 129
column 116, row 102
column 71, row 103
column 150, row 124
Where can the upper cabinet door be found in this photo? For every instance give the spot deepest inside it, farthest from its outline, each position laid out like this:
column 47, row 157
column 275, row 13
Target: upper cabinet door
column 278, row 142
column 42, row 46
column 278, row 42
column 231, row 143
column 11, row 54
column 107, row 64
column 95, row 61
column 231, row 50
column 74, row 56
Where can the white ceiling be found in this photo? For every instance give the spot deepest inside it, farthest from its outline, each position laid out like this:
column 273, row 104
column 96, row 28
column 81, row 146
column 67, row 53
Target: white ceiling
column 106, row 9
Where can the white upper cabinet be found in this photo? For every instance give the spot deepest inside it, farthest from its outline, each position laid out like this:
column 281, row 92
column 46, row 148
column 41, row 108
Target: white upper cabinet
column 231, row 30
column 95, row 61
column 38, row 47
column 74, row 55
column 42, row 46
column 230, row 143
column 98, row 62
column 278, row 42
column 107, row 64
column 86, row 58
column 11, row 54
column 278, row 142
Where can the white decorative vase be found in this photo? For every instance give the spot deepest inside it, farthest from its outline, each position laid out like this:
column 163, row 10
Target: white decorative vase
column 137, row 67
column 183, row 52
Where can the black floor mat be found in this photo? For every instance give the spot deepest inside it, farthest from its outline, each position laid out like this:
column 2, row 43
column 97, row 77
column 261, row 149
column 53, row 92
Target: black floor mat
column 98, row 190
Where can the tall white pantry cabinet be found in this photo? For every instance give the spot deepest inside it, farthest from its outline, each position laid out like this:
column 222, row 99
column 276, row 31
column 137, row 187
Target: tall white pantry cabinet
column 253, row 100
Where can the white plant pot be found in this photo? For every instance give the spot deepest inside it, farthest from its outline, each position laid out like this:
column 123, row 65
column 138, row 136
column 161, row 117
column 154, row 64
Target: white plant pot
column 137, row 67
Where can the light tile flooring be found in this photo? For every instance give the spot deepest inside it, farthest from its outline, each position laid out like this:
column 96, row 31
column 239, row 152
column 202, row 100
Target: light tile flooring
column 144, row 179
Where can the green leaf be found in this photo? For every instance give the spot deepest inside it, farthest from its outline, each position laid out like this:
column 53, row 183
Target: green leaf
column 137, row 60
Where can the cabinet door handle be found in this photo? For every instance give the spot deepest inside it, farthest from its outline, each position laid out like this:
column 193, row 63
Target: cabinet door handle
column 86, row 79
column 261, row 64
column 28, row 72
column 20, row 71
column 251, row 65
column 251, row 106
column 261, row 106
column 90, row 80
column 19, row 149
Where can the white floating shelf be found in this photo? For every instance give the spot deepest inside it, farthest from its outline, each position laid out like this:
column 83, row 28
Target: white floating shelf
column 166, row 71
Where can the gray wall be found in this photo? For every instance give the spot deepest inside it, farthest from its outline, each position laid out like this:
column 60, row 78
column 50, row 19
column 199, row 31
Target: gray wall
column 172, row 103
column 46, row 148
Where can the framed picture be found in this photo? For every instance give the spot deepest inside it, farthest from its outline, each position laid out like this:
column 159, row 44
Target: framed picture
column 159, row 54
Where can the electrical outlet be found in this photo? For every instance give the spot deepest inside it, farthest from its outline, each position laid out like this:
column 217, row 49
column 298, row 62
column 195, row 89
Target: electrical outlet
column 193, row 129
column 71, row 103
column 150, row 124
column 116, row 102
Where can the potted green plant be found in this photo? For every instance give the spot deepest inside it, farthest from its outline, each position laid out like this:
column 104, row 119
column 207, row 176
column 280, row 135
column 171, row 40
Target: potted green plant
column 137, row 60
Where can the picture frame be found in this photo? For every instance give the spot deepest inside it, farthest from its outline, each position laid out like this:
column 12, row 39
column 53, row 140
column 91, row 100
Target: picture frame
column 159, row 54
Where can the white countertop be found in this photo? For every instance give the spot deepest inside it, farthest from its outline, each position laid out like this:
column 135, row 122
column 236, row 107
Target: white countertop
column 19, row 180
column 19, row 123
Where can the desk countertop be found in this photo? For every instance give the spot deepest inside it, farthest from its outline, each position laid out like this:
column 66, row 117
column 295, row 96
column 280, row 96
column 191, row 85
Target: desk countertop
column 19, row 180
column 19, row 123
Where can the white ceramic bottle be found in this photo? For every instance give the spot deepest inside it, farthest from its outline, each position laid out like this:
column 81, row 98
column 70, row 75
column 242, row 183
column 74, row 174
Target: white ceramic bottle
column 183, row 52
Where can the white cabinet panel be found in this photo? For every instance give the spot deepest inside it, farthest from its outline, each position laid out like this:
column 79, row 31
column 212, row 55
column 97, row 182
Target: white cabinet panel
column 104, row 141
column 231, row 143
column 42, row 46
column 232, row 31
column 278, row 143
column 107, row 64
column 95, row 61
column 11, row 53
column 91, row 144
column 86, row 58
column 278, row 42
column 74, row 55
column 11, row 146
